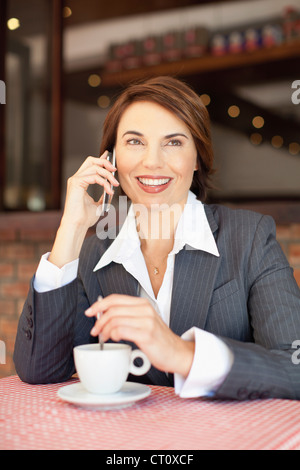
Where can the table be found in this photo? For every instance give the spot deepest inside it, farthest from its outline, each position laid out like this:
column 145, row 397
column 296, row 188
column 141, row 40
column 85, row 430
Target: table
column 34, row 417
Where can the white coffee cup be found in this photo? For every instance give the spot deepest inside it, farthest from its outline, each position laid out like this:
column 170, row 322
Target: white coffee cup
column 106, row 371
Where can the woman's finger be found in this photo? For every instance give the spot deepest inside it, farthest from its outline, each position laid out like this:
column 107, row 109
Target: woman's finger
column 96, row 169
column 106, row 174
column 117, row 305
column 86, row 180
column 99, row 161
column 113, row 300
column 123, row 315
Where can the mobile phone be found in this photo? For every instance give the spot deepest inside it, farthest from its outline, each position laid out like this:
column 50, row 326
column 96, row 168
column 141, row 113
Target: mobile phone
column 107, row 198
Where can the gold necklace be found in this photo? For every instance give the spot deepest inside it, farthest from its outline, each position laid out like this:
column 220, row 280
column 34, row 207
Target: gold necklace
column 156, row 268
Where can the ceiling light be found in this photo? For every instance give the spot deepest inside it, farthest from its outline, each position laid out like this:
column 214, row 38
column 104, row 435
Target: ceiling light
column 13, row 23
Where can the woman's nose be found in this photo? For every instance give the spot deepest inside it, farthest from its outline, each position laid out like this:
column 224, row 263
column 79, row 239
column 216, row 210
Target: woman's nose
column 153, row 157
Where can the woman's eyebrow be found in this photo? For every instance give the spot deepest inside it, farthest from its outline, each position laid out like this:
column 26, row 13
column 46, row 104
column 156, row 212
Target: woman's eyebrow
column 176, row 134
column 169, row 136
column 133, row 132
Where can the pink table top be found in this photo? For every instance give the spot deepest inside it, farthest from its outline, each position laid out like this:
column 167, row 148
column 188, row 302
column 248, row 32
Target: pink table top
column 34, row 417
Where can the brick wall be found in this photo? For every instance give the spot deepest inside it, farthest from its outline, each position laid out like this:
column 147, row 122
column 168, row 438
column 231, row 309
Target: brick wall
column 25, row 237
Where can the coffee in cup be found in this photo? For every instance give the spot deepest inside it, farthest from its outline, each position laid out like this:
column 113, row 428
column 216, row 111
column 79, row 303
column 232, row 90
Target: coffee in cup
column 106, row 370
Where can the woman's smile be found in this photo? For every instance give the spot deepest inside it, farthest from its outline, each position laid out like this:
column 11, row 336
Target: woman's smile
column 153, row 184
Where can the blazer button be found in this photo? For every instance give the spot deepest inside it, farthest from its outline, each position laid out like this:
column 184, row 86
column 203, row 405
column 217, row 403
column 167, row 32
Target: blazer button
column 242, row 393
column 29, row 310
column 254, row 395
column 29, row 322
column 28, row 334
column 265, row 394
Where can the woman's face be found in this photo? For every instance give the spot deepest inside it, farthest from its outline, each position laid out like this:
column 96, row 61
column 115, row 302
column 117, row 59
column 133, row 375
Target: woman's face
column 155, row 154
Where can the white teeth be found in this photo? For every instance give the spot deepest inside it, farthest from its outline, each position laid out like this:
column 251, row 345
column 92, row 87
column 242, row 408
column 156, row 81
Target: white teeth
column 154, row 182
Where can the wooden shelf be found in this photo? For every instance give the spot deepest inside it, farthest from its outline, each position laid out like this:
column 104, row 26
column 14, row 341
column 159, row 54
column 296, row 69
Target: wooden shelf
column 205, row 64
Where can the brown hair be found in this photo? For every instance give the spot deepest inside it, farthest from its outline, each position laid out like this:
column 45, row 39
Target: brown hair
column 181, row 100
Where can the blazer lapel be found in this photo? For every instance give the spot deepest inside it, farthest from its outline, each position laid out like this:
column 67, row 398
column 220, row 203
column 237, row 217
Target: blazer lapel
column 114, row 279
column 195, row 273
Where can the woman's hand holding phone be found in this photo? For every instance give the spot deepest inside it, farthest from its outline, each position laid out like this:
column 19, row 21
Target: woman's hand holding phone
column 80, row 207
column 81, row 210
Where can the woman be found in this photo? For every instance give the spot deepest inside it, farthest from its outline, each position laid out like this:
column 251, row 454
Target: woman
column 214, row 304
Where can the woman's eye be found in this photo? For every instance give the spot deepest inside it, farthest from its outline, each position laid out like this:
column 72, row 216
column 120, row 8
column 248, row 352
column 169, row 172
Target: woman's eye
column 174, row 142
column 134, row 141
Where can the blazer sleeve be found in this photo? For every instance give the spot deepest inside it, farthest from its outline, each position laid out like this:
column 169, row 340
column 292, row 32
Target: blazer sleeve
column 265, row 367
column 51, row 324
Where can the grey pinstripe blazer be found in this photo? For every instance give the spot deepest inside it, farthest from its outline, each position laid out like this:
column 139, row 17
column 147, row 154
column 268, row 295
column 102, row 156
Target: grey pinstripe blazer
column 248, row 297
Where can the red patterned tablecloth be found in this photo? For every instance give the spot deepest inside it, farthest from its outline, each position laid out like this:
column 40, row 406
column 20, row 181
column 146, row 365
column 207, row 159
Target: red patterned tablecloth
column 34, row 417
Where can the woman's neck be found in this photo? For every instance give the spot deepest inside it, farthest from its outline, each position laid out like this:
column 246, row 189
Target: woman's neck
column 156, row 225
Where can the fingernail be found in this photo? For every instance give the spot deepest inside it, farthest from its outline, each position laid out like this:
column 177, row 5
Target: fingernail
column 88, row 311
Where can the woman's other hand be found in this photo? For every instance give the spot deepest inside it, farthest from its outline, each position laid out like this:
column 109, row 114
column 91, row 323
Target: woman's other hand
column 134, row 319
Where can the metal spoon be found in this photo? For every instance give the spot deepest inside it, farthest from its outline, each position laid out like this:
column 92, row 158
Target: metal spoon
column 99, row 314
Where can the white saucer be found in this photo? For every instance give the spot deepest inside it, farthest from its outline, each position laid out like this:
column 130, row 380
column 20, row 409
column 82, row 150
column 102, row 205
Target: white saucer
column 129, row 394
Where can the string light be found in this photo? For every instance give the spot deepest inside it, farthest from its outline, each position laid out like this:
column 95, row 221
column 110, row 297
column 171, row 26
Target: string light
column 233, row 111
column 66, row 12
column 258, row 122
column 103, row 101
column 256, row 138
column 94, row 80
column 205, row 99
column 277, row 141
column 294, row 148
